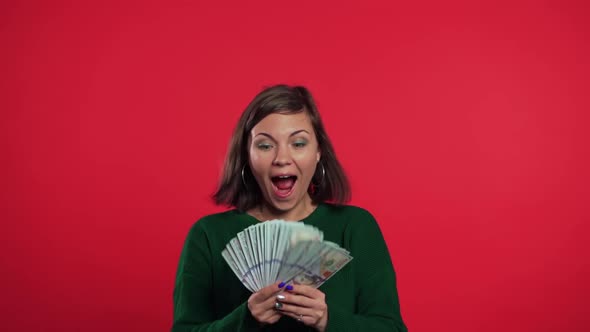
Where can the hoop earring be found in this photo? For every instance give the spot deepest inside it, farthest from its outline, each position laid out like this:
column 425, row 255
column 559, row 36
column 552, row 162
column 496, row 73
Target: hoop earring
column 243, row 178
column 323, row 175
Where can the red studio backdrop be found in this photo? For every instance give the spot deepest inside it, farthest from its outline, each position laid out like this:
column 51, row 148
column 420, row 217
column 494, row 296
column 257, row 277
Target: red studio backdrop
column 463, row 127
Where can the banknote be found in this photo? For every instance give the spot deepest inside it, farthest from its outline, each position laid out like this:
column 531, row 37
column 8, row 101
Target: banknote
column 289, row 251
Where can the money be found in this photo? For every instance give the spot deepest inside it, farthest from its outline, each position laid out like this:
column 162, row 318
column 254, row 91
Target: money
column 287, row 251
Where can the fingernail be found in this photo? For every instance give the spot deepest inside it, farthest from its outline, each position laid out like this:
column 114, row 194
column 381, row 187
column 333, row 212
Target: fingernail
column 278, row 305
column 280, row 297
column 281, row 285
column 289, row 287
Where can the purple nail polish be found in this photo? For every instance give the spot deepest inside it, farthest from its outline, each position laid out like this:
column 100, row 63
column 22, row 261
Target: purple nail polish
column 282, row 284
column 289, row 287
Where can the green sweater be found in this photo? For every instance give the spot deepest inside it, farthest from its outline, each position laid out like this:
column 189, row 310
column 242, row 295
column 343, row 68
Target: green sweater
column 361, row 297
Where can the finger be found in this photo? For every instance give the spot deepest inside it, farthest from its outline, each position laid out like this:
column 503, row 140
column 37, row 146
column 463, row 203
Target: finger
column 264, row 300
column 274, row 318
column 272, row 303
column 299, row 300
column 264, row 311
column 271, row 290
column 270, row 317
column 267, row 292
column 307, row 291
column 307, row 320
column 298, row 310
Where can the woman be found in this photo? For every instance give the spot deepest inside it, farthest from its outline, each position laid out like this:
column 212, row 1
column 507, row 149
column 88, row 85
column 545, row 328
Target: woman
column 281, row 165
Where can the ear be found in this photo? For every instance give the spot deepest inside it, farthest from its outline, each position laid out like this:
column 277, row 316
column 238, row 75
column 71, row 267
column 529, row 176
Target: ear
column 318, row 156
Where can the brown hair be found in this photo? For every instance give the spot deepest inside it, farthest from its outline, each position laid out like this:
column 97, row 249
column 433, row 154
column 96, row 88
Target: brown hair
column 283, row 99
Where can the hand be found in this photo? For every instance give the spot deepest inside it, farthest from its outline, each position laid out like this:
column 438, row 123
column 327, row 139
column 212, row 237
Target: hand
column 305, row 304
column 262, row 304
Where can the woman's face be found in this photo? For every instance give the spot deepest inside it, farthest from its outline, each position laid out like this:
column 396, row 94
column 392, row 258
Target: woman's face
column 283, row 157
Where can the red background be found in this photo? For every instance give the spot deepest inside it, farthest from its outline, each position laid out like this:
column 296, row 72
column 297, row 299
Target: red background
column 463, row 127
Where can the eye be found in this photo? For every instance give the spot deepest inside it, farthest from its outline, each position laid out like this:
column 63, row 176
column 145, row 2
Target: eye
column 264, row 146
column 299, row 144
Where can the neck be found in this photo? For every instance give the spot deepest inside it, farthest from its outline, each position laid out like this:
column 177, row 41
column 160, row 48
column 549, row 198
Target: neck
column 266, row 212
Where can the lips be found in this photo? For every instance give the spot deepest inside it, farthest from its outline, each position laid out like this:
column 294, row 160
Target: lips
column 283, row 184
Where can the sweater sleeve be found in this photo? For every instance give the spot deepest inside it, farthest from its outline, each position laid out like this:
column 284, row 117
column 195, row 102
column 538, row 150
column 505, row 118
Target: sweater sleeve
column 377, row 305
column 193, row 311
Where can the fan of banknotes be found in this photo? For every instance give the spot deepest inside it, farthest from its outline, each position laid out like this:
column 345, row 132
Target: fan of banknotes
column 287, row 251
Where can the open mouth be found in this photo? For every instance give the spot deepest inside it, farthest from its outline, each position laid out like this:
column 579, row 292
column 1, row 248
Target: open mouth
column 283, row 185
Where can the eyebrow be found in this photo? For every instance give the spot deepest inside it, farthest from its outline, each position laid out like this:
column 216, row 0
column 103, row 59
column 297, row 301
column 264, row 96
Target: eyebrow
column 292, row 134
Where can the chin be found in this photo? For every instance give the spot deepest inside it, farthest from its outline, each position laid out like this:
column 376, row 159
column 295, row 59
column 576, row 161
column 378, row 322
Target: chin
column 283, row 206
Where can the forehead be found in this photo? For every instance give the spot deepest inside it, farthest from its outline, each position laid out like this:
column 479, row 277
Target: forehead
column 283, row 124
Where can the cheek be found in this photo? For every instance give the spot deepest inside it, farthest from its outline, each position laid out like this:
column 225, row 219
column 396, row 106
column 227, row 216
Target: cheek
column 261, row 159
column 308, row 167
column 258, row 164
column 254, row 156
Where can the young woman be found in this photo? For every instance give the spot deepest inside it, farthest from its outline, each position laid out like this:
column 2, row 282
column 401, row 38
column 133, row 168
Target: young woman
column 281, row 165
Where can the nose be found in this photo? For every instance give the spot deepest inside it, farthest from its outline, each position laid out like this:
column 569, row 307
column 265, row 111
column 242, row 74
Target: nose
column 283, row 156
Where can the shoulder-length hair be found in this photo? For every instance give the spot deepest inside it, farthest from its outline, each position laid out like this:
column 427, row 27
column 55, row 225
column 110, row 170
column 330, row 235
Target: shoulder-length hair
column 238, row 188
